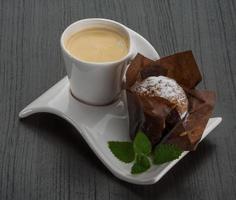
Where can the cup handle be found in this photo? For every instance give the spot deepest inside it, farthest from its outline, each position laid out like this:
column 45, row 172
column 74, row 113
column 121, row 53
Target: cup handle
column 129, row 60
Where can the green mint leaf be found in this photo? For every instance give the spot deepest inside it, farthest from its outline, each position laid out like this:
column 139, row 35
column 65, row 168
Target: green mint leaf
column 122, row 150
column 141, row 164
column 166, row 152
column 142, row 144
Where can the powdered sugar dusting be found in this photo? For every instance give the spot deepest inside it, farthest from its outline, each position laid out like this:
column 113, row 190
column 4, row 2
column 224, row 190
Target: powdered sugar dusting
column 163, row 87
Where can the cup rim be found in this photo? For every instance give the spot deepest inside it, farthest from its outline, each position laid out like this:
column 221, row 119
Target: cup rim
column 128, row 55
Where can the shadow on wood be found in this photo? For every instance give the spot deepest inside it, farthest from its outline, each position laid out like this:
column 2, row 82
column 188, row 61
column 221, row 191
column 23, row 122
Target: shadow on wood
column 59, row 132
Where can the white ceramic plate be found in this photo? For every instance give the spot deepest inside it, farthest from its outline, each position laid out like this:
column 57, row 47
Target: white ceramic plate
column 98, row 125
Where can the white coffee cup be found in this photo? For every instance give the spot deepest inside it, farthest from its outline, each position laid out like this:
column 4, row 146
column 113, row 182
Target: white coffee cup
column 95, row 83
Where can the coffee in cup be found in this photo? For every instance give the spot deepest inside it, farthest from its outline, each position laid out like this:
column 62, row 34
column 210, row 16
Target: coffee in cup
column 98, row 45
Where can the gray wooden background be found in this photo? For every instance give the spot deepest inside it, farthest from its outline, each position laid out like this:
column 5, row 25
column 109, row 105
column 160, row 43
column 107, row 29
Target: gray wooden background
column 44, row 157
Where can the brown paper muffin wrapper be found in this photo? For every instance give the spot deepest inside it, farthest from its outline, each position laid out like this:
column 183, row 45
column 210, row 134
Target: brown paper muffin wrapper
column 157, row 117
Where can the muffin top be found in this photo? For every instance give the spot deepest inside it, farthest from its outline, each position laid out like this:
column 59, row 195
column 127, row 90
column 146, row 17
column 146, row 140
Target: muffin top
column 166, row 88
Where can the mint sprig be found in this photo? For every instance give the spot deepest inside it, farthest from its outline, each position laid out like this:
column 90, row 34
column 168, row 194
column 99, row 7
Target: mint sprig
column 141, row 164
column 142, row 144
column 140, row 151
column 122, row 150
column 165, row 153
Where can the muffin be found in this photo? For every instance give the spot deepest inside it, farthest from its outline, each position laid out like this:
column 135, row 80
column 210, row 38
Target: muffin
column 163, row 87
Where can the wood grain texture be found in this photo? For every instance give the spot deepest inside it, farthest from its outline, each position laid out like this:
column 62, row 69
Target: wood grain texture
column 43, row 157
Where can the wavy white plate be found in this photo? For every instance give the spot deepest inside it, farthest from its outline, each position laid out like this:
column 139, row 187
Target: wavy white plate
column 98, row 125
